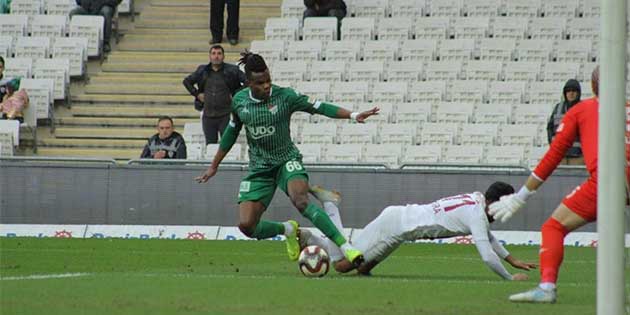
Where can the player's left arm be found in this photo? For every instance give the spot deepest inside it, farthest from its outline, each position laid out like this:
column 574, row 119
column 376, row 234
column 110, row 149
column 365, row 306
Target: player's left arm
column 500, row 250
column 299, row 102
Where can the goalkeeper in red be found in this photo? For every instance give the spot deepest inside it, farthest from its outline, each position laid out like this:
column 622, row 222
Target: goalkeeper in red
column 577, row 208
column 265, row 110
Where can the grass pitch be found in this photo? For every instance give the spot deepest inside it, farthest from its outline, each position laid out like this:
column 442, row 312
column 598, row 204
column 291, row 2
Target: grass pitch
column 116, row 276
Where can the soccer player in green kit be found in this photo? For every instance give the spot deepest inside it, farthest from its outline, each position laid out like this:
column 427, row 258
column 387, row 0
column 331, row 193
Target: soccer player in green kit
column 265, row 111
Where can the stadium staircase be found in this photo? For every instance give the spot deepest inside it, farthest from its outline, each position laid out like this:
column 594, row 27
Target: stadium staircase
column 114, row 113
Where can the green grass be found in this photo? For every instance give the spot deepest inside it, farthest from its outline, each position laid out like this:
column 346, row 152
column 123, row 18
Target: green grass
column 244, row 277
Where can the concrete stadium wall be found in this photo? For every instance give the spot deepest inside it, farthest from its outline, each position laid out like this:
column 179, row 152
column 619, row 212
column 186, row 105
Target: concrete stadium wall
column 47, row 193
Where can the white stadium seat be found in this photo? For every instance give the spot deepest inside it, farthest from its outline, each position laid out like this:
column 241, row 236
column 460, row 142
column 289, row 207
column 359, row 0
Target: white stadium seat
column 468, row 91
column 456, row 49
column 398, row 29
column 422, row 154
column 307, row 50
column 551, row 28
column 455, row 154
column 40, row 94
column 74, row 49
column 233, row 156
column 14, row 25
column 60, row 7
column 403, row 71
column 427, row 91
column 482, row 70
column 57, row 70
column 488, row 8
column 497, row 49
column 505, row 155
column 446, row 8
column 91, row 27
column 311, row 153
column 419, row 50
column 439, row 133
column 388, row 154
column 560, row 71
column 509, row 27
column 32, row 47
column 559, row 8
column 376, row 9
column 478, row 134
column 319, row 133
column 584, row 28
column 404, row 133
column 358, row 28
column 414, row 113
column 11, row 127
column 49, row 26
column 195, row 151
column 343, row 153
column 518, row 8
column 534, row 50
column 545, row 92
column 532, row 113
column 492, row 113
column 290, row 70
column 522, row 70
column 518, row 135
column 27, row 7
column 320, row 28
column 578, row 51
column 443, row 70
column 350, row 92
column 282, row 29
column 315, row 90
column 380, row 50
column 331, row 71
column 18, row 67
column 454, row 112
column 436, row 28
column 292, row 8
column 367, row 71
column 506, row 92
column 345, row 50
column 193, row 133
column 389, row 92
column 471, row 27
column 357, row 133
column 271, row 50
column 407, row 8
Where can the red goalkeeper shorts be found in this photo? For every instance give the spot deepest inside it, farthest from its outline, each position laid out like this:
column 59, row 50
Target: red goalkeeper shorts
column 583, row 200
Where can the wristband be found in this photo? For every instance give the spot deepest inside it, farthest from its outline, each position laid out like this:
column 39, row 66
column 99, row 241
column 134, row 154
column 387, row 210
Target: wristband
column 524, row 193
column 353, row 116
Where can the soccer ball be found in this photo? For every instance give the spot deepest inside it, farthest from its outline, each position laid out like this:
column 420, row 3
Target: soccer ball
column 314, row 261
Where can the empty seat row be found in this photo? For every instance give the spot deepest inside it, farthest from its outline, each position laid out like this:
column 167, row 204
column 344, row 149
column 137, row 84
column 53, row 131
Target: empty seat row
column 53, row 7
column 74, row 49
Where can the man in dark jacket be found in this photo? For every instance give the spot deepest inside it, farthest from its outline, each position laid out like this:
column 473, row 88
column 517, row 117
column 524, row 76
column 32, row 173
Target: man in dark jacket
column 336, row 8
column 213, row 86
column 106, row 8
column 571, row 94
column 166, row 144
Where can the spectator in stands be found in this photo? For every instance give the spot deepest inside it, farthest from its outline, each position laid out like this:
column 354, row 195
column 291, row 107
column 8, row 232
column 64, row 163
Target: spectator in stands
column 213, row 86
column 216, row 20
column 166, row 144
column 14, row 102
column 105, row 8
column 3, row 81
column 336, row 8
column 5, row 6
column 571, row 94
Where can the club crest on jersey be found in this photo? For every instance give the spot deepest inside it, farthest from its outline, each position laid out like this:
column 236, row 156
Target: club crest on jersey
column 272, row 108
column 261, row 131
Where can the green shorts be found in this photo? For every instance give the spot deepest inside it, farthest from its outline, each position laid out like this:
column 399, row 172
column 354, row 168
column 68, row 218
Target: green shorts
column 260, row 185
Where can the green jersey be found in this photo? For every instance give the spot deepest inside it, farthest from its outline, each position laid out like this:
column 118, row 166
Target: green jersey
column 267, row 124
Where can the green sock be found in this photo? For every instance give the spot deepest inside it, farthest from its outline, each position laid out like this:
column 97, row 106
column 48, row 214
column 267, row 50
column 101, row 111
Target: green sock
column 266, row 229
column 322, row 221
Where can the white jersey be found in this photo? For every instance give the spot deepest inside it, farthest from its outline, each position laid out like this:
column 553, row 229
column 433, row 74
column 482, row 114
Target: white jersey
column 452, row 216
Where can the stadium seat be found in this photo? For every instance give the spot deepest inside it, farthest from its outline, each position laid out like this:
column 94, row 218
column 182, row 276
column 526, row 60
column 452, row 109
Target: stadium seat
column 456, row 154
column 195, row 151
column 532, row 113
column 90, row 27
column 48, row 26
column 282, row 29
column 509, row 27
column 482, row 70
column 419, row 50
column 74, row 49
column 522, row 70
column 389, row 92
column 578, row 51
column 295, row 70
column 489, row 8
column 434, row 27
column 366, row 71
column 493, row 49
column 299, row 119
column 590, row 8
column 320, row 28
column 331, row 71
column 586, row 71
column 234, row 155
column 439, row 133
column 403, row 71
column 345, row 50
column 343, row 153
column 446, row 8
column 566, row 9
column 376, row 9
column 357, row 133
column 505, row 155
column 468, row 91
column 545, row 92
column 443, row 70
column 398, row 28
column 381, row 50
column 508, row 92
column 32, row 47
column 422, row 154
column 57, row 70
column 311, row 153
column 6, row 46
column 413, row 113
column 59, row 7
column 15, row 25
column 427, row 91
column 478, row 135
column 456, row 49
column 518, row 135
column 350, row 92
column 40, row 94
column 388, row 154
column 584, row 28
column 518, row 8
column 358, row 28
column 319, row 133
column 400, row 133
column 193, row 133
column 315, row 90
column 471, row 27
column 535, row 155
column 307, row 50
column 271, row 50
column 18, row 67
column 27, row 7
column 11, row 127
column 6, row 143
column 292, row 8
column 560, row 71
column 454, row 112
column 534, row 50
column 407, row 8
column 550, row 28
column 493, row 113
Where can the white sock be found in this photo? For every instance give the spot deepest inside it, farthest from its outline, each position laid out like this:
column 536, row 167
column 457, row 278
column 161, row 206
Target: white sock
column 333, row 212
column 288, row 228
column 547, row 286
column 331, row 248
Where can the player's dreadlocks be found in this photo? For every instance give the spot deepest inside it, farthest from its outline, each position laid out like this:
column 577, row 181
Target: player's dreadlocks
column 253, row 63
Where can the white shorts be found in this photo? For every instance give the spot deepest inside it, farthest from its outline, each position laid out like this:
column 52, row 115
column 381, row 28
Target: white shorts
column 383, row 235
